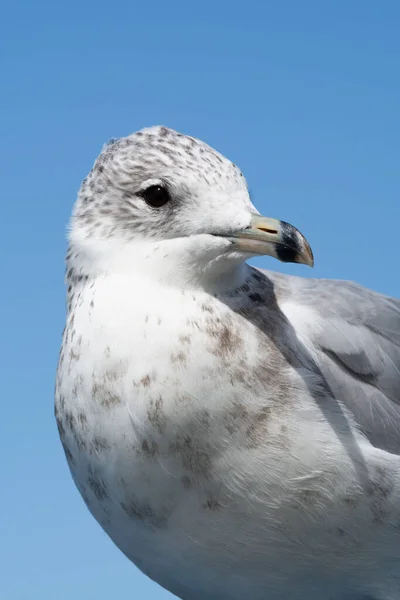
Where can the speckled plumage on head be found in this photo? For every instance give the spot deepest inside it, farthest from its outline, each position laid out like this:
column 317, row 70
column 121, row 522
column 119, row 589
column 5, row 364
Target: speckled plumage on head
column 112, row 227
column 235, row 432
column 107, row 202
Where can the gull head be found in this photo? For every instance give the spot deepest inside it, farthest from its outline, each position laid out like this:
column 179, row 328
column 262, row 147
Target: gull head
column 162, row 204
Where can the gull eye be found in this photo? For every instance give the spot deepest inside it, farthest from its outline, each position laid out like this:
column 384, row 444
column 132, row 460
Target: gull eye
column 156, row 196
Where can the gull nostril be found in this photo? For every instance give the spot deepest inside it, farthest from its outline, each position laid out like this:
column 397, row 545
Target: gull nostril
column 267, row 230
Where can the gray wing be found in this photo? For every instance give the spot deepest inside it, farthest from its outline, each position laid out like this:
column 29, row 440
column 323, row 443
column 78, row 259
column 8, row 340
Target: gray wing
column 356, row 333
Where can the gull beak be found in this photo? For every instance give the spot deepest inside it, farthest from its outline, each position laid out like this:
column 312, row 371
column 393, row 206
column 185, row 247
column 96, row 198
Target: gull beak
column 273, row 237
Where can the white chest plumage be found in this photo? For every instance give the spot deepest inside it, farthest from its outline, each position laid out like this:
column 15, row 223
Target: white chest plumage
column 175, row 439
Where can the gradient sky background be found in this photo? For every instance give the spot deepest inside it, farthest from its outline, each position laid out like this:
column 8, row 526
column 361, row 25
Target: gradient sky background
column 303, row 96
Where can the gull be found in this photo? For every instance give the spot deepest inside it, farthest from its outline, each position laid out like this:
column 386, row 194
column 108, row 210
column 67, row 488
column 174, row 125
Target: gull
column 236, row 432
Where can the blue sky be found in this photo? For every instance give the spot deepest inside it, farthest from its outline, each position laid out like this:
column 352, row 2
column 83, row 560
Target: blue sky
column 304, row 96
